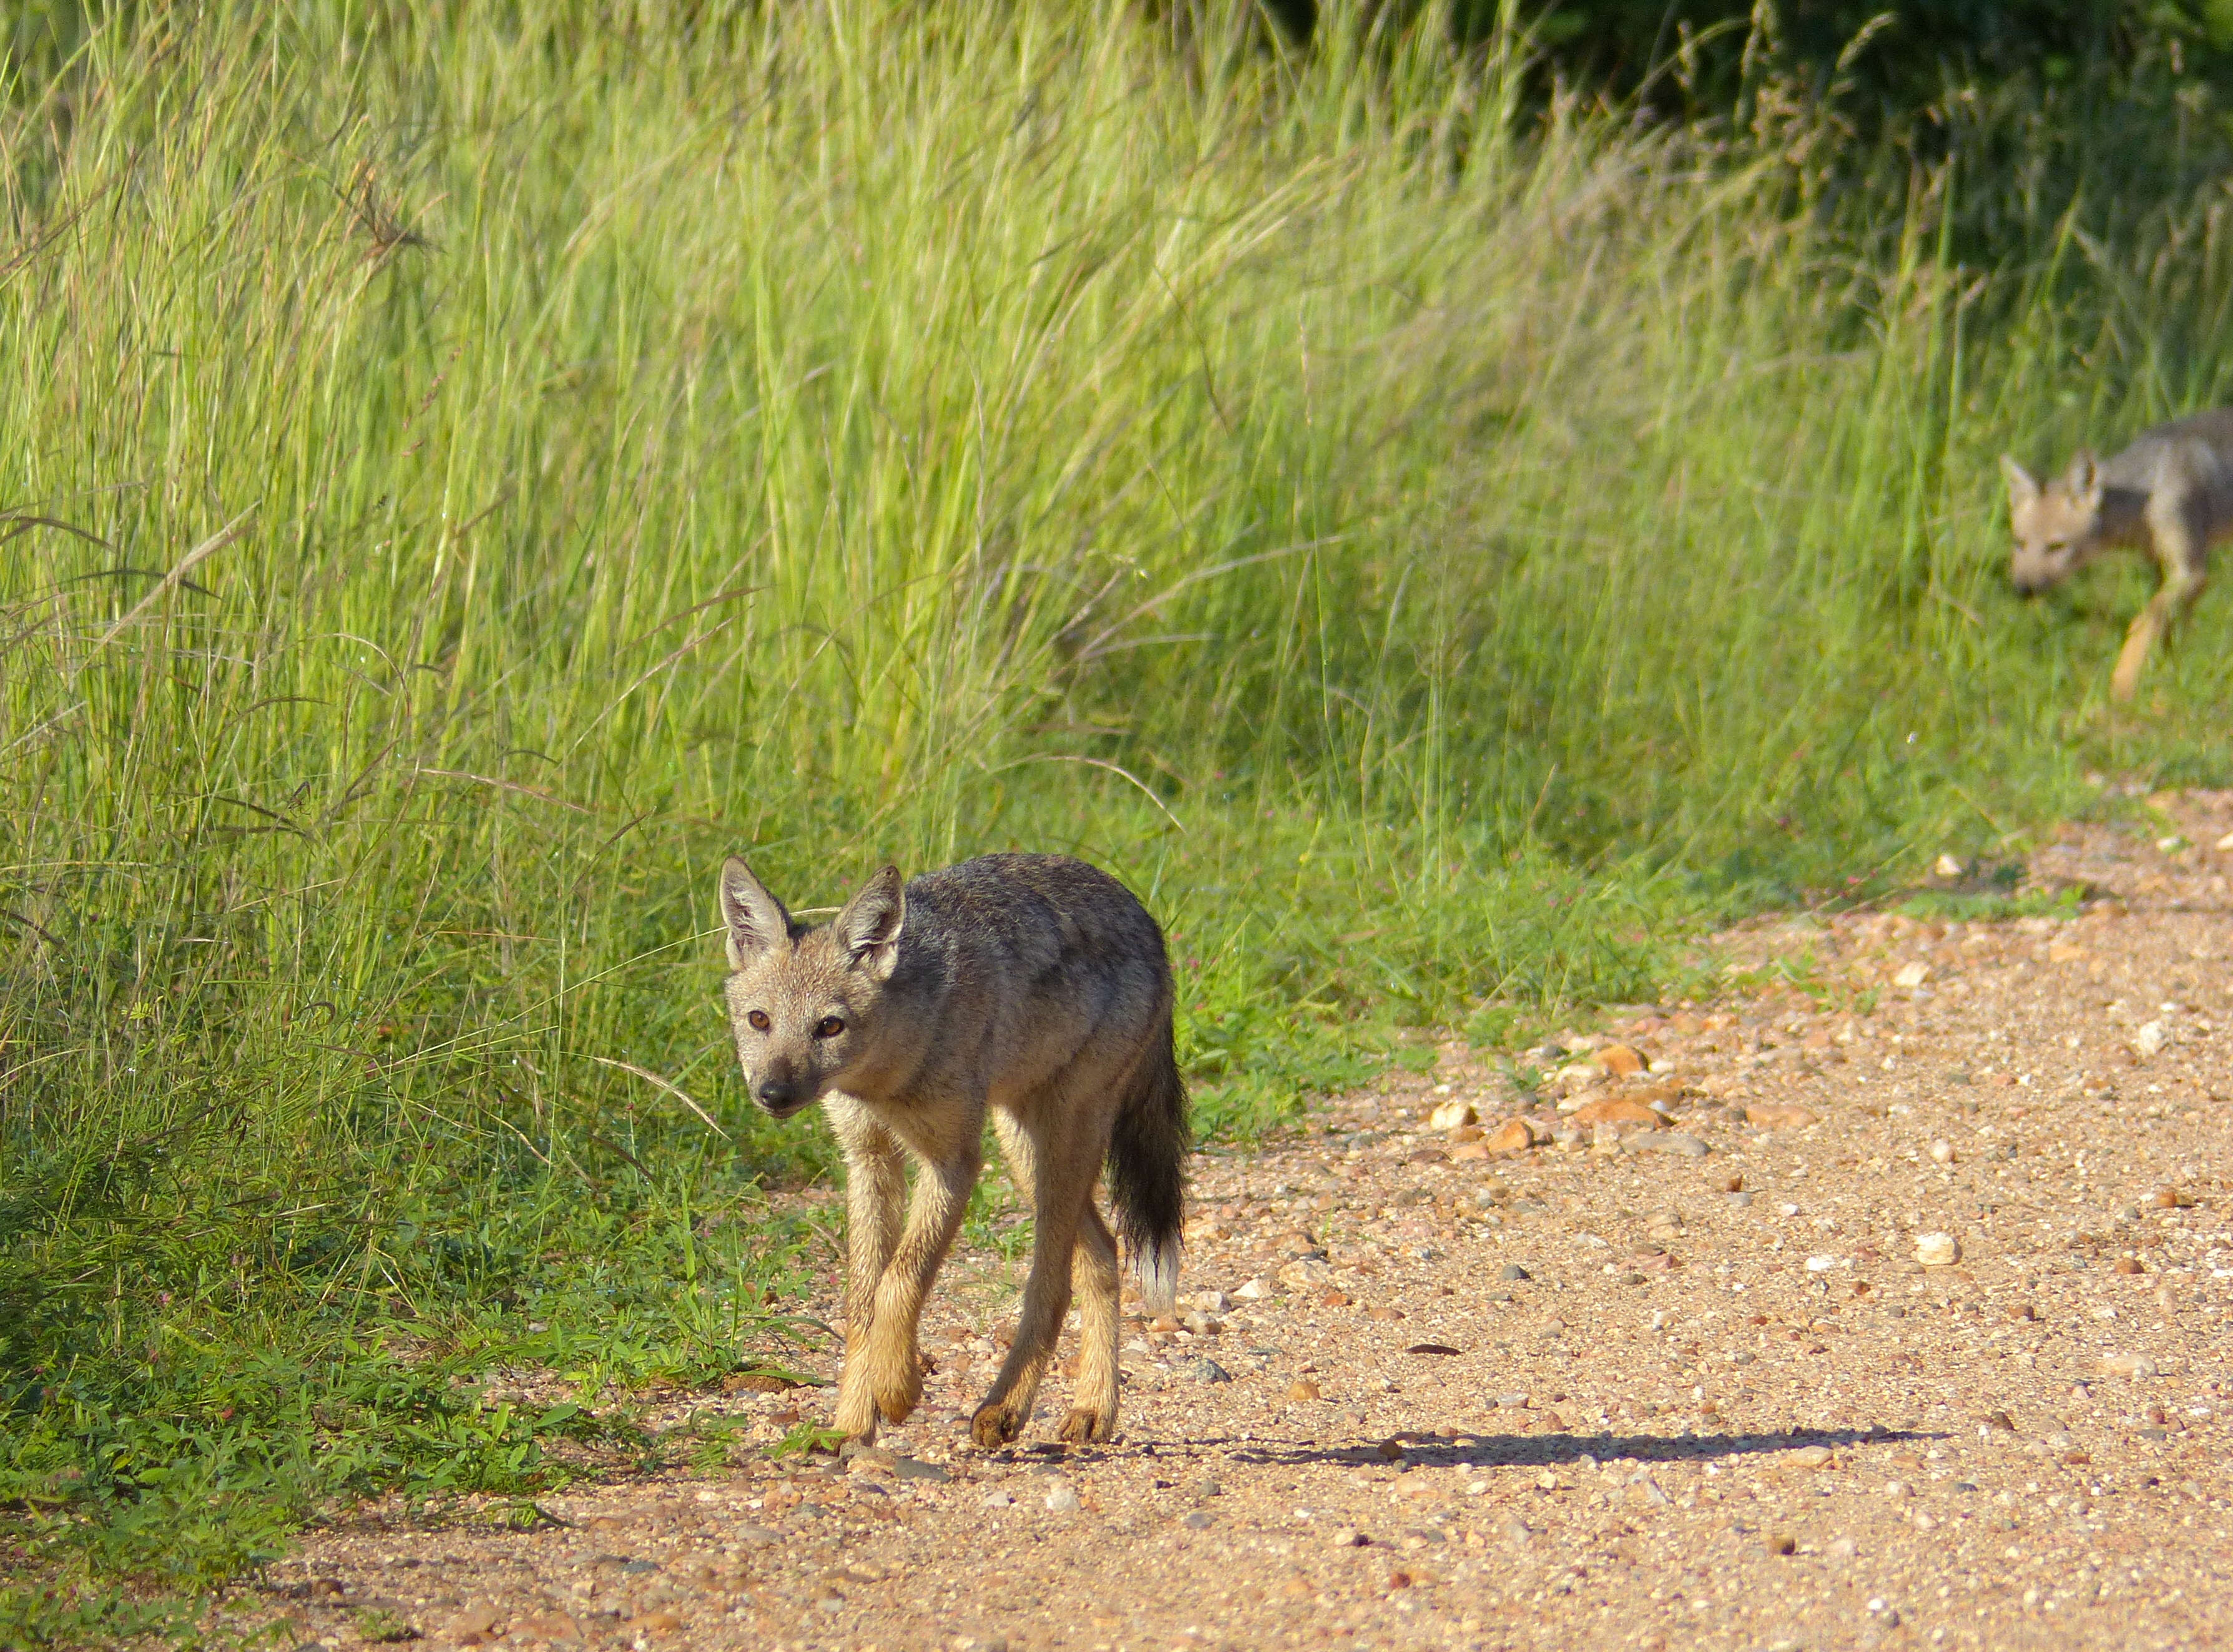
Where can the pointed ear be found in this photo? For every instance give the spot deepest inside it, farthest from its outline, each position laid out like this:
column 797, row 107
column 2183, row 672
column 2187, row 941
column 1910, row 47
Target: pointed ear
column 754, row 919
column 2023, row 486
column 2084, row 480
column 869, row 928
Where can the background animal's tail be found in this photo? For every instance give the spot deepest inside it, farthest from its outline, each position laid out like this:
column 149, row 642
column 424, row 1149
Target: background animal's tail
column 1147, row 1172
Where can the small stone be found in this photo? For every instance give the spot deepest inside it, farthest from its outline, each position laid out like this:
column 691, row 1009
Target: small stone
column 1253, row 1290
column 2125, row 1265
column 757, row 1382
column 2150, row 1038
column 1947, row 866
column 2169, row 1199
column 1781, row 1542
column 868, row 1460
column 997, row 1498
column 1334, row 1299
column 2063, row 951
column 915, row 1468
column 1937, row 1249
column 1347, row 1536
column 1307, row 1274
column 1811, row 1457
column 1780, row 1115
column 555, row 1627
column 1513, row 1270
column 1199, row 1520
column 1213, row 1302
column 1842, row 1549
column 1061, row 1498
column 1514, row 1135
column 475, row 1626
column 1912, row 975
column 1511, row 1402
column 1453, row 1115
column 1739, row 1200
column 656, row 1622
column 1620, row 1060
column 1303, row 1389
column 1942, row 1153
column 1680, row 1143
column 2225, row 844
column 2127, row 1365
column 1206, row 1370
column 1620, row 1110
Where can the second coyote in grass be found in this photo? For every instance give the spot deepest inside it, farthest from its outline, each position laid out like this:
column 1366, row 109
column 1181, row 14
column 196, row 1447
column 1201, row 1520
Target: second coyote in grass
column 1028, row 986
column 2169, row 492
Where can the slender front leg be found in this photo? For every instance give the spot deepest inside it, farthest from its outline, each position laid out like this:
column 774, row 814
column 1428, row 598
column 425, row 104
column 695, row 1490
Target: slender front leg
column 875, row 1180
column 892, row 1365
column 2180, row 543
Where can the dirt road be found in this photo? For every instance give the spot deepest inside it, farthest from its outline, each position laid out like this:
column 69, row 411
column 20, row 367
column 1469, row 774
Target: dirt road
column 1653, row 1385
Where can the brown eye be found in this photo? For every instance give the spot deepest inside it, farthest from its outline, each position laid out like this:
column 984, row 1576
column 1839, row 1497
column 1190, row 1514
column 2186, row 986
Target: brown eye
column 829, row 1027
column 757, row 1021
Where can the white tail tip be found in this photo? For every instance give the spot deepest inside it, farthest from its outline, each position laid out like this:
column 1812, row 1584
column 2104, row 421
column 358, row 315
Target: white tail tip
column 1157, row 1271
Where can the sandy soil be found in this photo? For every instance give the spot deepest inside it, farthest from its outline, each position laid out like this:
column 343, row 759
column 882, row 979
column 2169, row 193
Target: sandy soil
column 1659, row 1385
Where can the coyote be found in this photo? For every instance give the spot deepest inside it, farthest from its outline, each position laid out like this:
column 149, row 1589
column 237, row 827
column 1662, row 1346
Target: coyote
column 2171, row 491
column 1032, row 986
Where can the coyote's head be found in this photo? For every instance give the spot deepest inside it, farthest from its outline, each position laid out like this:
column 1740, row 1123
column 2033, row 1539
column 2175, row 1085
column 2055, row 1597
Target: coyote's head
column 802, row 1002
column 2057, row 523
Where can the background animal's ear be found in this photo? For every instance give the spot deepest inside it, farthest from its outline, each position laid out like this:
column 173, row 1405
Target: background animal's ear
column 754, row 919
column 2023, row 486
column 869, row 928
column 2084, row 481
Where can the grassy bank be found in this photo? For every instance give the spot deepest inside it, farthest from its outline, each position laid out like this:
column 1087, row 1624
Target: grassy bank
column 466, row 476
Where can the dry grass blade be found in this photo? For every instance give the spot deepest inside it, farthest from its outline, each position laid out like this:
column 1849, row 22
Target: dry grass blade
column 650, row 1077
column 185, row 565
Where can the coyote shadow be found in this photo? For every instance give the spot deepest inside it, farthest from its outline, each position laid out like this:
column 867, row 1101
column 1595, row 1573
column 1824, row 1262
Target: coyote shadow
column 1532, row 1451
column 1506, row 1451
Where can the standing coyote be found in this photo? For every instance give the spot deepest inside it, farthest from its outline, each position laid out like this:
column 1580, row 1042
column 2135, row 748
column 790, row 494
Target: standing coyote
column 2172, row 490
column 1030, row 986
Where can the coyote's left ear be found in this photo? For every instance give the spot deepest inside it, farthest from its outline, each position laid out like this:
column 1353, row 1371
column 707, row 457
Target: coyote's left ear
column 2023, row 486
column 2084, row 481
column 869, row 928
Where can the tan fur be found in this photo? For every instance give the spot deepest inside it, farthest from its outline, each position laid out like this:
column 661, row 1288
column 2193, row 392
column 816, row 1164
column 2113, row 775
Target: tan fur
column 2170, row 492
column 1032, row 989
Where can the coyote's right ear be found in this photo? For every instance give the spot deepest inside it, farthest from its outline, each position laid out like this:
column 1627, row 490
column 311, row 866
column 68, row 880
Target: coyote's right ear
column 754, row 919
column 2023, row 486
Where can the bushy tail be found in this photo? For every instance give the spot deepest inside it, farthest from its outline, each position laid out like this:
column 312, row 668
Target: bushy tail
column 1147, row 1172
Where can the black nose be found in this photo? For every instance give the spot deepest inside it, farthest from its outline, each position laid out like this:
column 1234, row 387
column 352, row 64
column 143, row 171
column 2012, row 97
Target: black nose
column 777, row 1095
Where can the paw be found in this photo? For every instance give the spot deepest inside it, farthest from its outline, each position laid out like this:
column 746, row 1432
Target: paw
column 1084, row 1423
column 995, row 1425
column 855, row 1415
column 897, row 1393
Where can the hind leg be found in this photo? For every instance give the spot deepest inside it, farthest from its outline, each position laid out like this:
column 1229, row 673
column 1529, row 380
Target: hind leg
column 1093, row 1274
column 1059, row 1165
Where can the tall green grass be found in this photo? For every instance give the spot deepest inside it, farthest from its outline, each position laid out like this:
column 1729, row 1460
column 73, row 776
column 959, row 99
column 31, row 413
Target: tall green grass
column 1438, row 552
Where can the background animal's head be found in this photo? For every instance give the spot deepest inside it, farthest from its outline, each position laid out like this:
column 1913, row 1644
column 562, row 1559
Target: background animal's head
column 2057, row 523
column 802, row 1002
